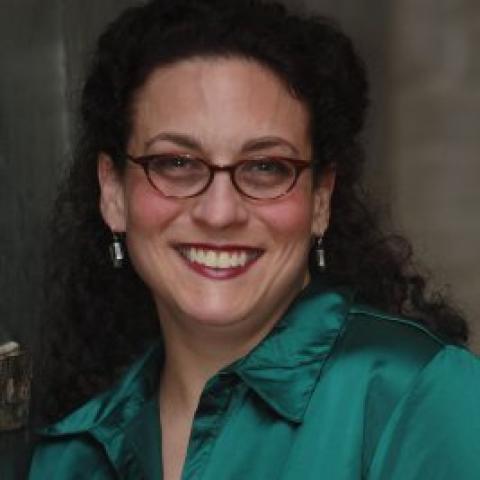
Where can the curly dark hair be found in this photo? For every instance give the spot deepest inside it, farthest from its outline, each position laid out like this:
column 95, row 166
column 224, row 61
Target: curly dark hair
column 97, row 320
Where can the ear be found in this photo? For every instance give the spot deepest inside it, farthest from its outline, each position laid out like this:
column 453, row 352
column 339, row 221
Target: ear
column 321, row 201
column 112, row 194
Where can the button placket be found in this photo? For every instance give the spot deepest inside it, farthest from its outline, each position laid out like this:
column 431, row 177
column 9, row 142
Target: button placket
column 207, row 423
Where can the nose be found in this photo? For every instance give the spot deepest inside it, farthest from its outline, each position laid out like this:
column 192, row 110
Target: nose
column 221, row 206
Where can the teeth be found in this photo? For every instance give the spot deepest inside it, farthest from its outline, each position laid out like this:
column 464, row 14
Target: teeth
column 216, row 259
column 242, row 259
column 223, row 260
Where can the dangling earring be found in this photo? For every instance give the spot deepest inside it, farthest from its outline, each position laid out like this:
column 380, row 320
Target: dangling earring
column 117, row 255
column 320, row 253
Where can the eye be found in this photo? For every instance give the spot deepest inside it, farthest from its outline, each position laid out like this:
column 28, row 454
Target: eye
column 269, row 167
column 174, row 162
column 173, row 165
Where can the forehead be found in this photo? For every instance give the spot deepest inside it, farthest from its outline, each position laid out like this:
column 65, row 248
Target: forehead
column 217, row 98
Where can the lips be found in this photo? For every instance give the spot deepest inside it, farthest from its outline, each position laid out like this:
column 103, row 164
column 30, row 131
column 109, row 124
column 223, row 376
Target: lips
column 219, row 262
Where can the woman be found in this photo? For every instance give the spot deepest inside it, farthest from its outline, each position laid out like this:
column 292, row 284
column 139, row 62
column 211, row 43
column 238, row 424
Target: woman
column 219, row 161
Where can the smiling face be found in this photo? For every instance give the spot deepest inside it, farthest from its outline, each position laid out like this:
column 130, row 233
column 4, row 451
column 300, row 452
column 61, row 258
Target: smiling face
column 218, row 259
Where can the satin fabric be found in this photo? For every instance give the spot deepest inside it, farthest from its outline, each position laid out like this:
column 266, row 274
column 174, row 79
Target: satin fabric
column 336, row 391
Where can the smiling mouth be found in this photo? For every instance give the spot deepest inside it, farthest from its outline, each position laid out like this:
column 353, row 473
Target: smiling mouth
column 219, row 262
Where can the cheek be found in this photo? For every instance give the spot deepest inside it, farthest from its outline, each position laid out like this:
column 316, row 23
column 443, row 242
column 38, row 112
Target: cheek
column 146, row 209
column 289, row 217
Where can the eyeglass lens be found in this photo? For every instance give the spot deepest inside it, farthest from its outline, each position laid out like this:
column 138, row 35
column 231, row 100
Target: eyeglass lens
column 184, row 176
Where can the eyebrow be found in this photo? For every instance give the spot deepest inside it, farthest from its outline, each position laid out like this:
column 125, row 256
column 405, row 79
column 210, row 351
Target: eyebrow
column 268, row 142
column 178, row 138
column 252, row 145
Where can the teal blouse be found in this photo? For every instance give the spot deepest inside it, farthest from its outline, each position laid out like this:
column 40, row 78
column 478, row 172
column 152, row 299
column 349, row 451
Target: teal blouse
column 336, row 391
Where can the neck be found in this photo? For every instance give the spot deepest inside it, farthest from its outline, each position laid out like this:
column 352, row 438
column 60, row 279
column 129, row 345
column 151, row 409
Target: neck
column 195, row 351
column 192, row 358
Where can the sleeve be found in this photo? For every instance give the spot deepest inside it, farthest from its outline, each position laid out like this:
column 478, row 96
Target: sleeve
column 434, row 431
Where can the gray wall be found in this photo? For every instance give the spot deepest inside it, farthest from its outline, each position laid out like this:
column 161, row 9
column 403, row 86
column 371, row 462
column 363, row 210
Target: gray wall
column 42, row 45
column 43, row 51
column 424, row 131
column 434, row 139
column 32, row 141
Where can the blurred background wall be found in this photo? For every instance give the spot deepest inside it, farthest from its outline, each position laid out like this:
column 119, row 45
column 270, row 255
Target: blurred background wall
column 422, row 137
column 433, row 139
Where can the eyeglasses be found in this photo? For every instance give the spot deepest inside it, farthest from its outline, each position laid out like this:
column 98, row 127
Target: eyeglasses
column 184, row 176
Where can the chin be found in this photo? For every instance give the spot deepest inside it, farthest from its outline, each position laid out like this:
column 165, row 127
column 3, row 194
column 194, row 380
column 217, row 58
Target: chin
column 214, row 313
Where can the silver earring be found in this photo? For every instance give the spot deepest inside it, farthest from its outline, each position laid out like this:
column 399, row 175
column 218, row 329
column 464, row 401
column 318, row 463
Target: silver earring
column 117, row 255
column 320, row 253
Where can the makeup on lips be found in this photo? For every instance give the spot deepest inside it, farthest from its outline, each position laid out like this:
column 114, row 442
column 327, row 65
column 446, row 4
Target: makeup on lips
column 219, row 262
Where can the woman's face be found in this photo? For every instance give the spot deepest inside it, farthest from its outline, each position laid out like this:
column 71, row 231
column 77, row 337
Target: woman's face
column 223, row 111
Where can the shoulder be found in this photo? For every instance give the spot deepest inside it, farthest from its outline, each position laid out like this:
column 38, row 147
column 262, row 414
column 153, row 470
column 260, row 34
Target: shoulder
column 67, row 457
column 394, row 341
column 116, row 405
column 68, row 449
column 398, row 353
column 421, row 398
column 402, row 351
column 433, row 429
column 87, row 443
column 378, row 327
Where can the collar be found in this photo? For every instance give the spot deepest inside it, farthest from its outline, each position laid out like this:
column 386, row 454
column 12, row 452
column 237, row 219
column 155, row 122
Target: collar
column 114, row 409
column 283, row 369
